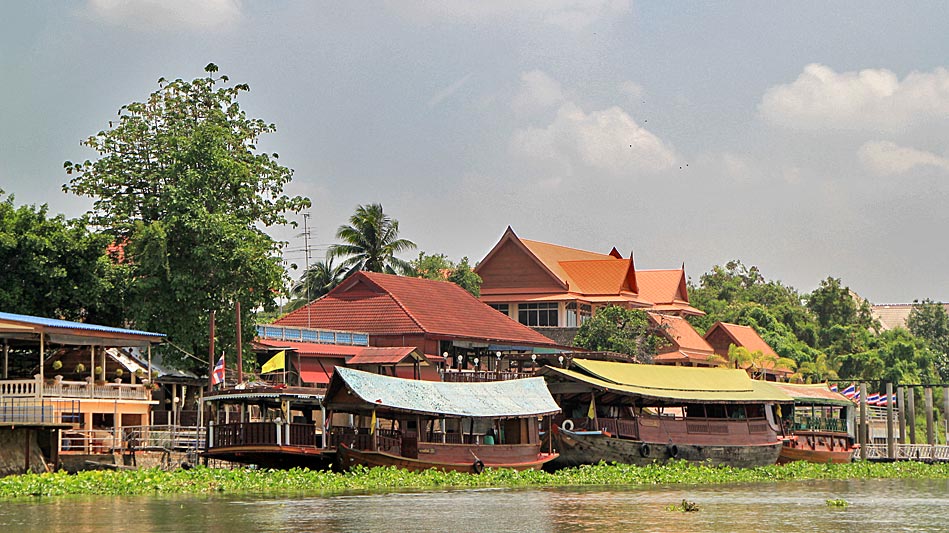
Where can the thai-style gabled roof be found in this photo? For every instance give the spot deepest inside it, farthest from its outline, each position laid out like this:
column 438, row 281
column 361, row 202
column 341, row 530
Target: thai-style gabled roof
column 658, row 384
column 384, row 304
column 582, row 274
column 742, row 336
column 812, row 394
column 680, row 333
column 361, row 392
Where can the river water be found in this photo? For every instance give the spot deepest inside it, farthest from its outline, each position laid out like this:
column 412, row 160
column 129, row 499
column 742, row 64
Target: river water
column 874, row 505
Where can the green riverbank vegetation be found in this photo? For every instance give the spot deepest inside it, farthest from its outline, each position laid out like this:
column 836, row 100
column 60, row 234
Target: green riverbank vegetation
column 202, row 480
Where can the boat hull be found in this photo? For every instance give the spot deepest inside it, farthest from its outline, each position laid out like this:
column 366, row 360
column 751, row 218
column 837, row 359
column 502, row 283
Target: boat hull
column 591, row 447
column 348, row 457
column 817, row 448
column 274, row 456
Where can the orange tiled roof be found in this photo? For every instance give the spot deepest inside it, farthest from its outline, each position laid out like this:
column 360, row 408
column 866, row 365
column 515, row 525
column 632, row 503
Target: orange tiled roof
column 744, row 336
column 383, row 304
column 681, row 333
column 382, row 356
column 598, row 276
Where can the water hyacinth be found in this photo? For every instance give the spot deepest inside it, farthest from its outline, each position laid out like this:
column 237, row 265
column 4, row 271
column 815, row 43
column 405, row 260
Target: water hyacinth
column 201, row 480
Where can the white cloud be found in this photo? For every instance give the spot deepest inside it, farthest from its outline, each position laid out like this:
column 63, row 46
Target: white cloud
column 568, row 14
column 538, row 92
column 608, row 140
column 632, row 90
column 166, row 14
column 874, row 99
column 887, row 158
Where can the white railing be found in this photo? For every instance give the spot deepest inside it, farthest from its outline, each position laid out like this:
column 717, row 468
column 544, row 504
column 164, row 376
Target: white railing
column 84, row 389
column 137, row 438
column 19, row 388
column 909, row 452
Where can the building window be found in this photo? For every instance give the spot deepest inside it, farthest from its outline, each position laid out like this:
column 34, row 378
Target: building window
column 586, row 312
column 539, row 315
column 503, row 308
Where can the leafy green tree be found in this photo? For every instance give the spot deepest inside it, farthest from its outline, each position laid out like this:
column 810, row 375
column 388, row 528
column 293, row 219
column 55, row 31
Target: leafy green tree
column 318, row 280
column 371, row 240
column 895, row 355
column 929, row 321
column 834, row 304
column 180, row 178
column 621, row 330
column 53, row 267
column 819, row 370
column 439, row 267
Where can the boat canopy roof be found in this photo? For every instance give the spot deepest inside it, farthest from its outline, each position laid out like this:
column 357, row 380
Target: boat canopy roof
column 813, row 394
column 360, row 392
column 661, row 384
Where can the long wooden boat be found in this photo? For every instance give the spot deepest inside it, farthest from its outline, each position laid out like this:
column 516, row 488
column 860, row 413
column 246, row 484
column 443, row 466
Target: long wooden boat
column 640, row 414
column 819, row 423
column 457, row 426
column 479, row 458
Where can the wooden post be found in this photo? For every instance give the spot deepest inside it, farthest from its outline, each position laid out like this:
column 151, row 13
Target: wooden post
column 930, row 430
column 890, row 445
column 240, row 360
column 863, row 421
column 945, row 410
column 42, row 359
column 211, row 360
column 6, row 360
column 901, row 404
column 911, row 414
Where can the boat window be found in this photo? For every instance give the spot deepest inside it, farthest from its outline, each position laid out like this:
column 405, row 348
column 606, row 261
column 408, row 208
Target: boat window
column 715, row 411
column 736, row 412
column 755, row 411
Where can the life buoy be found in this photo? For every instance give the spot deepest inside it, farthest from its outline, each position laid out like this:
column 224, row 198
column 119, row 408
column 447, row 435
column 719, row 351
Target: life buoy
column 478, row 466
column 673, row 451
column 567, row 424
column 644, row 450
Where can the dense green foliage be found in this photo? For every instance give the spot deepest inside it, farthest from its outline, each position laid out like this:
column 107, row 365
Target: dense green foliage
column 180, row 185
column 440, row 267
column 621, row 330
column 319, row 279
column 929, row 321
column 370, row 242
column 301, row 481
column 53, row 267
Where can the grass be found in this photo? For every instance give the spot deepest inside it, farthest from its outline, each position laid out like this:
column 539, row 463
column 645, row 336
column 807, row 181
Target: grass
column 301, row 481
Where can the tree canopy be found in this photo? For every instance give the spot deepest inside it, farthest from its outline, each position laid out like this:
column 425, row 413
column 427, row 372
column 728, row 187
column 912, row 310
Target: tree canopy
column 53, row 267
column 181, row 185
column 440, row 267
column 370, row 242
column 620, row 330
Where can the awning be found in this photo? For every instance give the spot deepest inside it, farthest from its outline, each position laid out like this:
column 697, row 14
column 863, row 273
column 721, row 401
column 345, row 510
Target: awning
column 668, row 383
column 399, row 355
column 816, row 394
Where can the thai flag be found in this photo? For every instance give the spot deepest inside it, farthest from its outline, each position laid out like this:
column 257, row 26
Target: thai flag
column 833, row 387
column 873, row 399
column 217, row 375
column 850, row 391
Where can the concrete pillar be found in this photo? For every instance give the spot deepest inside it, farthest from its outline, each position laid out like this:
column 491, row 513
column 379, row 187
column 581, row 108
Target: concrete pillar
column 901, row 404
column 863, row 421
column 911, row 414
column 930, row 426
column 890, row 445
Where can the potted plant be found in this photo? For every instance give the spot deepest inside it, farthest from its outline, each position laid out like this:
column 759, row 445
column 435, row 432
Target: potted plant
column 80, row 368
column 57, row 364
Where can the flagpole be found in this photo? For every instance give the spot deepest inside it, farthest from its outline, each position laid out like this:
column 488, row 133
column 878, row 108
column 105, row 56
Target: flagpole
column 211, row 360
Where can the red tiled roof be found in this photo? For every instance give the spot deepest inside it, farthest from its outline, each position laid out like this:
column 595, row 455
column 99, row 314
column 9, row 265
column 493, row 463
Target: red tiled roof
column 681, row 333
column 380, row 304
column 661, row 286
column 744, row 336
column 551, row 255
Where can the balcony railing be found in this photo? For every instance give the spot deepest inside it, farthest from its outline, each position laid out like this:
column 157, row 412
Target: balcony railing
column 35, row 388
column 14, row 410
column 469, row 376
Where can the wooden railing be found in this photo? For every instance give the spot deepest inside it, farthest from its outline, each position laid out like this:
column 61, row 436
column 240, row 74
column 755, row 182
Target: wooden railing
column 261, row 434
column 466, row 376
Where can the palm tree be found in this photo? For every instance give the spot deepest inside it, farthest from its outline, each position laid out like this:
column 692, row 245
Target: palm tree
column 318, row 280
column 821, row 369
column 371, row 242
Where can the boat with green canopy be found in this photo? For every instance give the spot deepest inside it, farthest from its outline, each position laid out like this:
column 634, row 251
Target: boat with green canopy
column 820, row 423
column 413, row 424
column 639, row 414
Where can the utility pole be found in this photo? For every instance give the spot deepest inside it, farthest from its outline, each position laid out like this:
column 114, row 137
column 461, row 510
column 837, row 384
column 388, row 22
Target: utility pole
column 306, row 271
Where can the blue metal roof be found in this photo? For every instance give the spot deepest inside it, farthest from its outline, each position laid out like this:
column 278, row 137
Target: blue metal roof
column 65, row 324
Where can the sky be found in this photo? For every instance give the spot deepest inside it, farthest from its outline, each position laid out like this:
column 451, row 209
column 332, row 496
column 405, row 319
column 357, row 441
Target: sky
column 806, row 138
